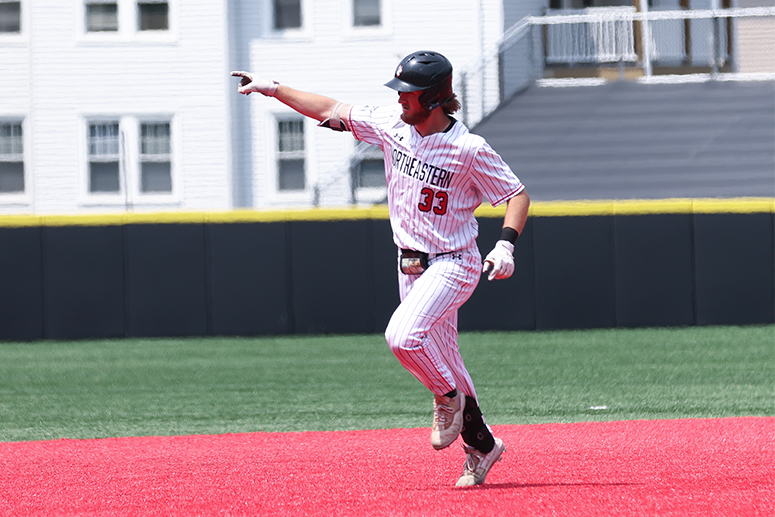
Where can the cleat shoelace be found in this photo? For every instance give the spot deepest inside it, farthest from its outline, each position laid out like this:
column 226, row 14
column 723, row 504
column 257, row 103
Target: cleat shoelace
column 441, row 415
column 472, row 460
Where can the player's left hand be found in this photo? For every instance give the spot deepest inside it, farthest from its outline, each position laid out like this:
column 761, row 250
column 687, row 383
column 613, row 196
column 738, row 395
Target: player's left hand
column 499, row 263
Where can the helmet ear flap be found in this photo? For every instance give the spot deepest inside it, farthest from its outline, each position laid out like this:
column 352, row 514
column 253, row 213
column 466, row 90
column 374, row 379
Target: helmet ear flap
column 434, row 97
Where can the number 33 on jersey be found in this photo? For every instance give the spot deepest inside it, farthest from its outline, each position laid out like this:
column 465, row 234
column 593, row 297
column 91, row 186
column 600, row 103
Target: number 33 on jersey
column 429, row 197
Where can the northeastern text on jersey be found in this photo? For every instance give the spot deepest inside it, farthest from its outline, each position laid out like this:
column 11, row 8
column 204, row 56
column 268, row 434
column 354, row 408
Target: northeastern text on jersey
column 411, row 166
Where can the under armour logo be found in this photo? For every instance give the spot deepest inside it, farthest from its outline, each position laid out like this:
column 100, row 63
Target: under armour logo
column 398, row 137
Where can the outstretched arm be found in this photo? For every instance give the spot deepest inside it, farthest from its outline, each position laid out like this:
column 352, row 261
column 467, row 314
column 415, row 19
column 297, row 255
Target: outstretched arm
column 308, row 104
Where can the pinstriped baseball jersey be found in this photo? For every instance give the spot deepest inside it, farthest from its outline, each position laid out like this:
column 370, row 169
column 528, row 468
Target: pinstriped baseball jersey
column 435, row 182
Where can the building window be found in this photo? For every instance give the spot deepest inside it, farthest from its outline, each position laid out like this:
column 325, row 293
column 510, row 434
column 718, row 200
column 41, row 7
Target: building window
column 368, row 167
column 366, row 13
column 290, row 154
column 154, row 16
column 287, row 14
column 128, row 16
column 11, row 158
column 104, row 157
column 130, row 159
column 10, row 16
column 155, row 158
column 101, row 17
column 371, row 173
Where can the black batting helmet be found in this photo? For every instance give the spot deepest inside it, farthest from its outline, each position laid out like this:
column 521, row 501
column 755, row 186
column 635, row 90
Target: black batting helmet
column 425, row 71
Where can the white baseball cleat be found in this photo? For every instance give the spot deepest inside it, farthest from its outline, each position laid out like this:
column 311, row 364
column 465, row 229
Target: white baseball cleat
column 447, row 420
column 478, row 464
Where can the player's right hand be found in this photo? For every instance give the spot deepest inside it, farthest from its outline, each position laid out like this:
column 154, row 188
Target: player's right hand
column 252, row 83
column 499, row 263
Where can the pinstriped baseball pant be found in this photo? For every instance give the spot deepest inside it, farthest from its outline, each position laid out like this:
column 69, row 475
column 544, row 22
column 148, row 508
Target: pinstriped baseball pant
column 422, row 333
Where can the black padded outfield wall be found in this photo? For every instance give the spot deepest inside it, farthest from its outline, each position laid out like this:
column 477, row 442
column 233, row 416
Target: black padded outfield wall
column 21, row 283
column 579, row 265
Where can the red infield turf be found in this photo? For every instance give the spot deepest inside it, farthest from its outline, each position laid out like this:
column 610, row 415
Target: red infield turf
column 722, row 467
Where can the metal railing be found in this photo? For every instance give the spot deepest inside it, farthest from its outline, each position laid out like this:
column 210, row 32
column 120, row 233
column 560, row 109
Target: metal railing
column 608, row 37
column 330, row 189
column 723, row 44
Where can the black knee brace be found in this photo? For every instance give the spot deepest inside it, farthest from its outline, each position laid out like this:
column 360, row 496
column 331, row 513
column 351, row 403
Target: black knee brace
column 475, row 432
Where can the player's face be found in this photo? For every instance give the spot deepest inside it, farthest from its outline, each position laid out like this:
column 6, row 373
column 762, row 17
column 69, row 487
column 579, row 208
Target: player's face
column 413, row 113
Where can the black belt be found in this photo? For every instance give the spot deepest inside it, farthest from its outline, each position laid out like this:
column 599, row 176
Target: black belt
column 416, row 262
column 419, row 253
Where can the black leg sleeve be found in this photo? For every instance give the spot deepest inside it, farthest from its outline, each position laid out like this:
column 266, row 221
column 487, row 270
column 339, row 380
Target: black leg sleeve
column 475, row 433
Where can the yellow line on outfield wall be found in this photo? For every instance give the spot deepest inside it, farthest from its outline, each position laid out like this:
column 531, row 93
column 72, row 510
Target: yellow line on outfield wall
column 746, row 205
column 537, row 209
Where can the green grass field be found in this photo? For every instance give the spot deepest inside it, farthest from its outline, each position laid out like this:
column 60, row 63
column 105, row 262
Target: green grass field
column 142, row 387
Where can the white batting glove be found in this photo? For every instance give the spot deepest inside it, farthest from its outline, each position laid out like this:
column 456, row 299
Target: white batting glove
column 252, row 83
column 499, row 263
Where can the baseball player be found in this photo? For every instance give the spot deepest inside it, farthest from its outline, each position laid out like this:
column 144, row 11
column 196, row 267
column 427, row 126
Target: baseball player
column 437, row 174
